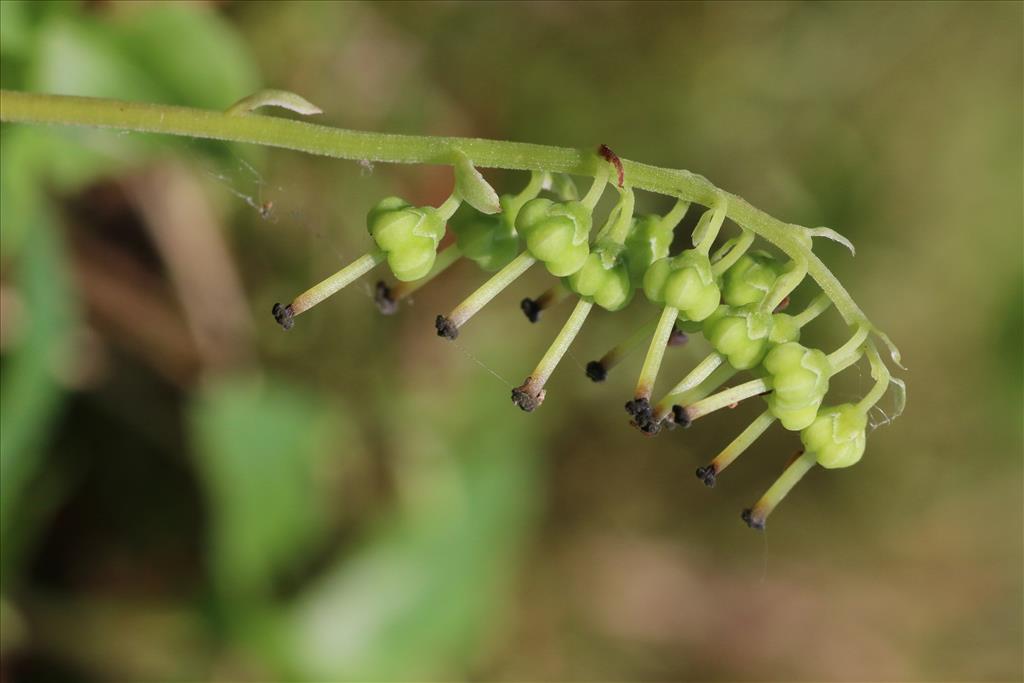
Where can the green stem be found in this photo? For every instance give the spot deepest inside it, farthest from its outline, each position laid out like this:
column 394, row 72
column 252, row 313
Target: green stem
column 699, row 373
column 849, row 353
column 757, row 516
column 353, row 271
column 530, row 191
column 624, row 218
column 655, row 352
column 721, row 375
column 593, row 195
column 882, row 378
column 818, row 305
column 534, row 385
column 490, row 289
column 412, row 149
column 676, row 214
column 741, row 443
column 450, row 206
column 726, row 398
column 627, row 345
column 733, row 255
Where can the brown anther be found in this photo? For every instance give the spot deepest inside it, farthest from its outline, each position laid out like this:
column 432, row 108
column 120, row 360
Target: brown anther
column 680, row 417
column 753, row 522
column 531, row 309
column 382, row 297
column 733, row 404
column 783, row 305
column 284, row 316
column 446, row 328
column 707, row 475
column 596, row 371
column 608, row 155
column 643, row 416
column 525, row 399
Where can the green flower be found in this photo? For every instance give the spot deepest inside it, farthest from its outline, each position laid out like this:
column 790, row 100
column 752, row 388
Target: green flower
column 742, row 335
column 798, row 378
column 837, row 435
column 749, row 279
column 408, row 235
column 684, row 282
column 557, row 234
column 491, row 241
column 604, row 277
column 649, row 240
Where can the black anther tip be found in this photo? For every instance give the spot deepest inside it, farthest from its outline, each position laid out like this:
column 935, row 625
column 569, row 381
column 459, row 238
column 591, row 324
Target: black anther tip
column 284, row 316
column 525, row 400
column 446, row 328
column 382, row 297
column 680, row 417
column 707, row 475
column 748, row 517
column 596, row 371
column 531, row 309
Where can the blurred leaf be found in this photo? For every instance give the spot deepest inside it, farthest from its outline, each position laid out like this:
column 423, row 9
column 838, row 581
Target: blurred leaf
column 418, row 599
column 213, row 71
column 259, row 446
column 29, row 392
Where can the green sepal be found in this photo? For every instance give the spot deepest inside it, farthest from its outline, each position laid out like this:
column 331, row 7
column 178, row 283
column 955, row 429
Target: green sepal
column 750, row 278
column 837, row 436
column 556, row 234
column 490, row 241
column 604, row 277
column 649, row 240
column 799, row 379
column 684, row 282
column 408, row 235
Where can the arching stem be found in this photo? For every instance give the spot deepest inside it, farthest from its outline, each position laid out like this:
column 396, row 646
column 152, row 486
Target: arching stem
column 748, row 436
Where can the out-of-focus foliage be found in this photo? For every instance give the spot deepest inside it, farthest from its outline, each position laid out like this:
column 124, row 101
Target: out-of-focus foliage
column 188, row 493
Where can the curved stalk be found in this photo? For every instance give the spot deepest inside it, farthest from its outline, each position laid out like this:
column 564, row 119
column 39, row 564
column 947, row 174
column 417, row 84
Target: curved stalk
column 20, row 107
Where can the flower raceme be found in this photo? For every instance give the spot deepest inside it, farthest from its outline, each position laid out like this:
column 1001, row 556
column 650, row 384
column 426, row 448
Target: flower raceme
column 734, row 297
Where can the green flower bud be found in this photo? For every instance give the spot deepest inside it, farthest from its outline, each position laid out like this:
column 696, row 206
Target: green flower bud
column 798, row 380
column 750, row 278
column 557, row 234
column 739, row 334
column 784, row 329
column 649, row 240
column 408, row 235
column 491, row 241
column 684, row 282
column 604, row 277
column 837, row 435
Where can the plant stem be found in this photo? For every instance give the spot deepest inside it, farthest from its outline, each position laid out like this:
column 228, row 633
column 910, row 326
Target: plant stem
column 353, row 271
column 383, row 147
column 735, row 254
column 699, row 373
column 655, row 353
column 738, row 445
column 490, row 289
column 725, row 398
column 780, row 489
column 531, row 394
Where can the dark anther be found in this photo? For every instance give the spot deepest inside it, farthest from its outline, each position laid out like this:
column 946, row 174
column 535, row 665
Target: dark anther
column 608, row 155
column 596, row 371
column 531, row 309
column 643, row 416
column 783, row 305
column 446, row 328
column 707, row 475
column 284, row 316
column 677, row 338
column 680, row 417
column 382, row 297
column 525, row 400
column 748, row 517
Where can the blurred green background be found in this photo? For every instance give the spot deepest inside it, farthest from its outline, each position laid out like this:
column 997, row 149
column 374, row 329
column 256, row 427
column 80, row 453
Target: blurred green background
column 187, row 493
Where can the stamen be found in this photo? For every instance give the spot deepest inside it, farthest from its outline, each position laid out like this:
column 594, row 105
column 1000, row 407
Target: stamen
column 671, row 407
column 531, row 393
column 552, row 296
column 741, row 443
column 785, row 284
column 311, row 297
column 655, row 353
column 449, row 326
column 818, row 305
column 387, row 296
column 598, row 370
column 756, row 516
column 725, row 399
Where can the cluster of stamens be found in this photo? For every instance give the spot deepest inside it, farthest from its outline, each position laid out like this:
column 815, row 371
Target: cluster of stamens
column 733, row 296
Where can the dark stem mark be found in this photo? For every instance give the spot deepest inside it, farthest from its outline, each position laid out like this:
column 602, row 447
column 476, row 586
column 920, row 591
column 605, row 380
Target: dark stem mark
column 608, row 155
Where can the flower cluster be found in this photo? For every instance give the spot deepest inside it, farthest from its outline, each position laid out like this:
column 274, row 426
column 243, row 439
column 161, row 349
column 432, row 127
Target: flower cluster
column 733, row 296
